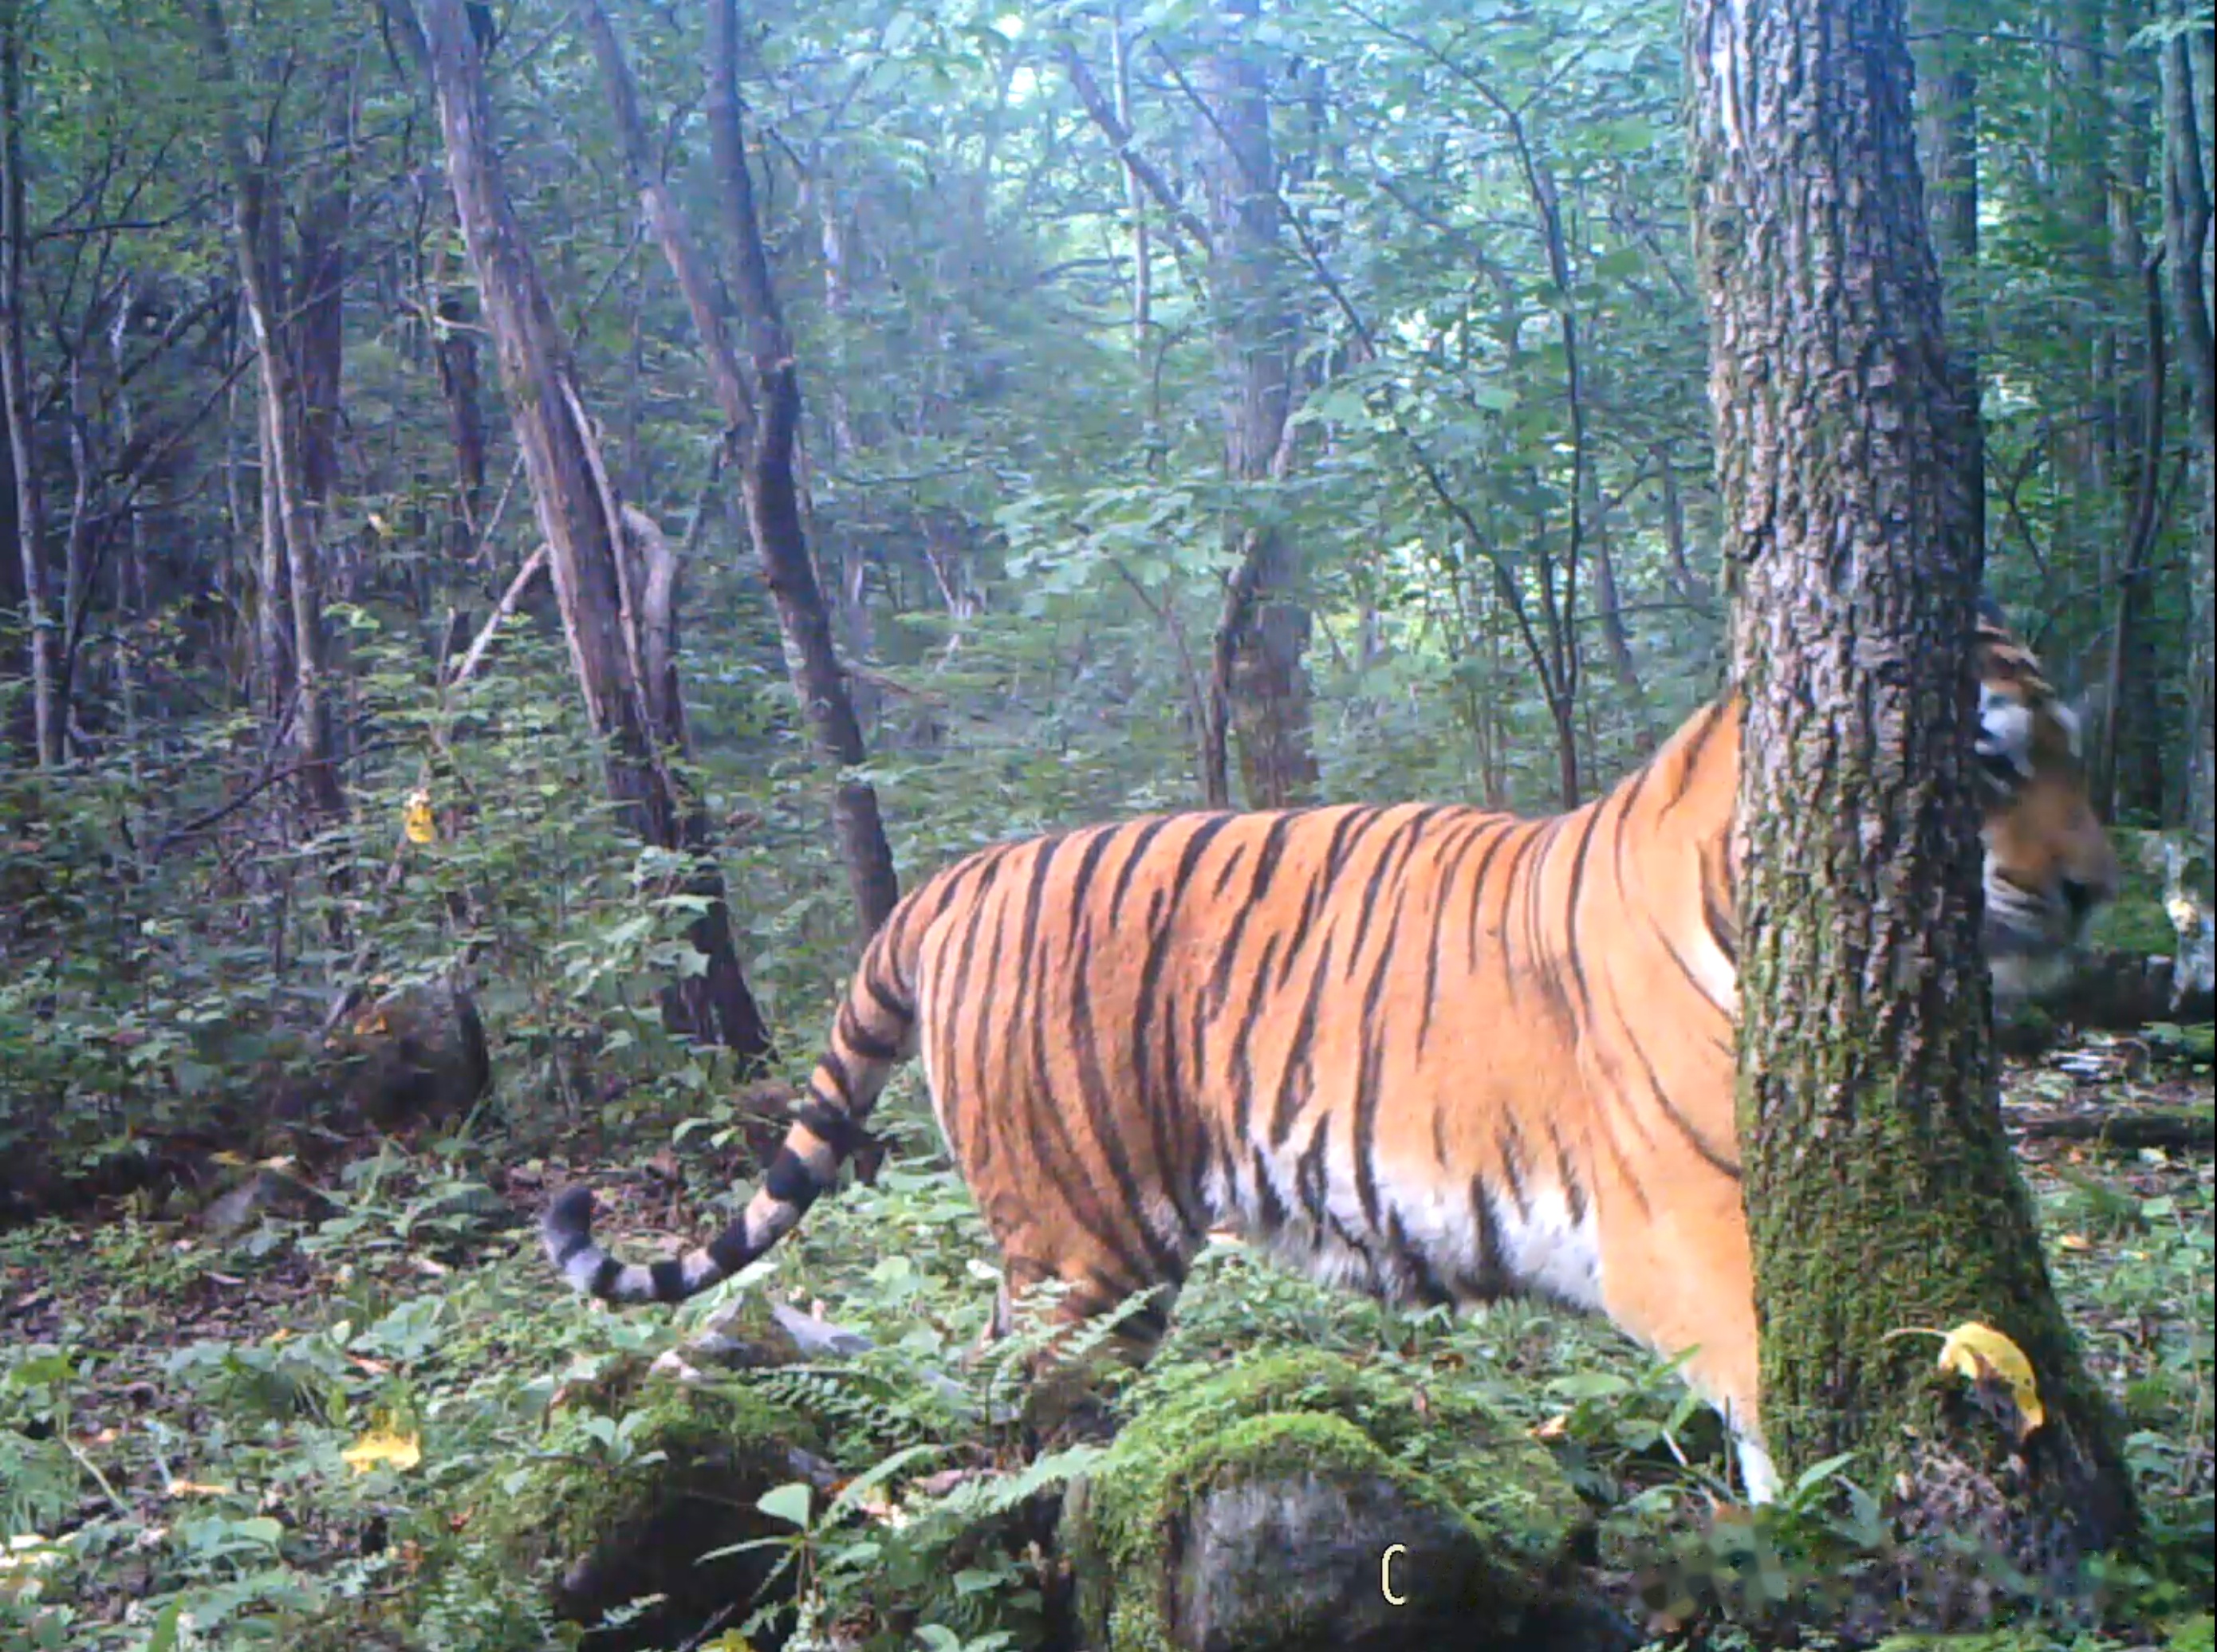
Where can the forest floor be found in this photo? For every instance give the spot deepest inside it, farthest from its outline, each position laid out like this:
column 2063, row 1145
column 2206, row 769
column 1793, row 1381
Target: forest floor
column 208, row 1442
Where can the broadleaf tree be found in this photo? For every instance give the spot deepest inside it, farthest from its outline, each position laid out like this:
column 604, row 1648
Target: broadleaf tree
column 1881, row 1193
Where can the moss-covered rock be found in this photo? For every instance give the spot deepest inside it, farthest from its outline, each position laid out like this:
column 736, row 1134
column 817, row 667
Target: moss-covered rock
column 641, row 1478
column 1297, row 1501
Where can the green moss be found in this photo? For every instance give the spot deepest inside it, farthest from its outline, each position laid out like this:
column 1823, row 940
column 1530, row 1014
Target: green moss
column 2138, row 921
column 2135, row 922
column 1301, row 1413
column 638, row 1479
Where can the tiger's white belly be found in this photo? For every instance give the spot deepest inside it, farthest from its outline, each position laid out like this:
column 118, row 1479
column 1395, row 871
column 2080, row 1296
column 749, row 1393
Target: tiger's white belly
column 1429, row 1237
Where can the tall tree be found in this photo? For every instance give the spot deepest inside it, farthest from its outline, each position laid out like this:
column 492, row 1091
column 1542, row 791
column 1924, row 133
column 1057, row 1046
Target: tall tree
column 1262, row 684
column 289, row 511
column 1948, row 143
column 765, row 447
column 1869, row 1116
column 761, row 450
column 613, row 583
column 2188, row 54
column 41, row 623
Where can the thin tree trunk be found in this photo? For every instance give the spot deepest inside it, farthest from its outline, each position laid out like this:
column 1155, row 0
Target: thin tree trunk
column 592, row 557
column 255, row 227
column 852, row 594
column 1948, row 144
column 2127, row 728
column 772, row 500
column 1135, row 197
column 455, row 347
column 1879, row 1188
column 41, row 622
column 319, row 300
column 1609, row 609
column 1694, row 589
column 272, row 648
column 1265, row 630
column 2186, row 224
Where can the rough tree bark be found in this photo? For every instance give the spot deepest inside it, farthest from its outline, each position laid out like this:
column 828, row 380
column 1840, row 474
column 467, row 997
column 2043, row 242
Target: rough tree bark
column 40, row 621
column 1261, row 683
column 610, row 624
column 254, row 226
column 1879, row 1188
column 763, row 446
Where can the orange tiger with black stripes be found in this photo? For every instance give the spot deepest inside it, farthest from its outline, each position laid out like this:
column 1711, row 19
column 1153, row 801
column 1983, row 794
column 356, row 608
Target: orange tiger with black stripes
column 1429, row 1051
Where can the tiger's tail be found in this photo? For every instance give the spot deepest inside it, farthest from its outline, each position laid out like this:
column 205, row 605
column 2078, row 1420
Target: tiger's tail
column 874, row 1032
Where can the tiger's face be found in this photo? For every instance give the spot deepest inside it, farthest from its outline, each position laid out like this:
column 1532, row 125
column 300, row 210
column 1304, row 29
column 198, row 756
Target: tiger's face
column 2049, row 865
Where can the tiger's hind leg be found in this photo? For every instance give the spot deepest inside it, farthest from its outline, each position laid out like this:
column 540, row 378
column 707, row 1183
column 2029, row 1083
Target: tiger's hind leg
column 1087, row 1330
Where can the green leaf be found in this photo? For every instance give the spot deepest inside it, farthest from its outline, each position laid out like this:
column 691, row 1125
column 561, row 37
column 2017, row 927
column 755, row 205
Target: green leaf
column 788, row 1502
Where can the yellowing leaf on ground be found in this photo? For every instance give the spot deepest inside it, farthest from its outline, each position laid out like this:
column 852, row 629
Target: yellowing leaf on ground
column 1979, row 1352
column 384, row 1445
column 416, row 817
column 196, row 1488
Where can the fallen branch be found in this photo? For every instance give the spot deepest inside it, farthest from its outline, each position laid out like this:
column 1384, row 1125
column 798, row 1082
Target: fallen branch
column 2130, row 1128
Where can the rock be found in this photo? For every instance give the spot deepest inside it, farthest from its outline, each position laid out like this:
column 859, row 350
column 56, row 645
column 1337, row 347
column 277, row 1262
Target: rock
column 415, row 1055
column 641, row 1480
column 1296, row 1503
column 268, row 1191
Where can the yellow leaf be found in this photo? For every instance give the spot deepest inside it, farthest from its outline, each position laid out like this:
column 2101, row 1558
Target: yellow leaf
column 194, row 1489
column 2072, row 1242
column 1979, row 1352
column 415, row 819
column 403, row 1451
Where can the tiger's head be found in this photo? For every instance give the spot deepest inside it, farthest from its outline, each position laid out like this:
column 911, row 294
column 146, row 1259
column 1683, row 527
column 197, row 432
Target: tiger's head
column 2049, row 865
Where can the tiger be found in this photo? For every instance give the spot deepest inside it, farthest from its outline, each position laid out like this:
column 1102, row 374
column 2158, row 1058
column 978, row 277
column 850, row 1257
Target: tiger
column 1438, row 1053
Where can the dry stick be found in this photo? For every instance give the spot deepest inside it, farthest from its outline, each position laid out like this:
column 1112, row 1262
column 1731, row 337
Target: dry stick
column 507, row 605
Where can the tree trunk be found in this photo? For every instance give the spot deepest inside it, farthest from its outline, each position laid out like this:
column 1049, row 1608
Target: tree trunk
column 1948, row 143
column 456, row 348
column 1265, row 629
column 1879, row 1188
column 772, row 500
column 319, row 300
column 592, row 558
column 42, row 623
column 254, row 223
column 2186, row 219
column 2124, row 771
column 1135, row 194
column 1609, row 609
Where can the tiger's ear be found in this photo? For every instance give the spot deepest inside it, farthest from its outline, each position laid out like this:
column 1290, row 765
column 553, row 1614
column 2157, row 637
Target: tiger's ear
column 2005, row 728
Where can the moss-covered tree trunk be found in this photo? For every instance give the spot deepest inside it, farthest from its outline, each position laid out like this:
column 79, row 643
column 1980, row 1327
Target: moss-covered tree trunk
column 1879, row 1188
